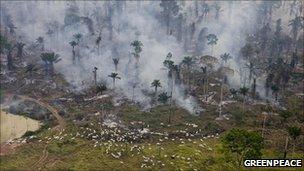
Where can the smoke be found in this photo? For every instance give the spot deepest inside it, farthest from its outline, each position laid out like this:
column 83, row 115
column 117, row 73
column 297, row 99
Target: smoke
column 119, row 23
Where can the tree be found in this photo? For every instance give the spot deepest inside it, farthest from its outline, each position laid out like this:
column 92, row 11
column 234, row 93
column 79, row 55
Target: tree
column 19, row 46
column 275, row 90
column 225, row 57
column 100, row 88
column 169, row 10
column 278, row 28
column 173, row 70
column 30, row 68
column 268, row 83
column 3, row 44
column 253, row 69
column 53, row 28
column 243, row 144
column 205, row 79
column 40, row 42
column 8, row 21
column 133, row 84
column 218, row 10
column 9, row 49
column 156, row 84
column 212, row 40
column 180, row 25
column 188, row 61
column 114, row 76
column 98, row 41
column 247, row 51
column 253, row 88
column 294, row 132
column 205, row 10
column 233, row 92
column 137, row 45
column 244, row 91
column 168, row 63
column 265, row 36
column 196, row 8
column 296, row 25
column 72, row 14
column 49, row 58
column 73, row 44
column 115, row 61
column 77, row 36
column 163, row 97
column 95, row 75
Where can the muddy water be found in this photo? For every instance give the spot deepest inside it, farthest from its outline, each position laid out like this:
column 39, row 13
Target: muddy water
column 14, row 126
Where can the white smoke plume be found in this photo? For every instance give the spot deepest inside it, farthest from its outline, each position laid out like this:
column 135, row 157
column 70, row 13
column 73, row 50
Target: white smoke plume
column 136, row 21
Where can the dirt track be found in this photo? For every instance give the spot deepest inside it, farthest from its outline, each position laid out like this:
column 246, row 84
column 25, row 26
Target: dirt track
column 54, row 111
column 38, row 164
column 7, row 148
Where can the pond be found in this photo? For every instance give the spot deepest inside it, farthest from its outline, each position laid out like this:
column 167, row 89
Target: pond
column 14, row 126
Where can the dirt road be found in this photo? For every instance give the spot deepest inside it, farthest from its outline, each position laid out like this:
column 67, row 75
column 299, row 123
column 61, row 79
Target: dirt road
column 8, row 148
column 54, row 112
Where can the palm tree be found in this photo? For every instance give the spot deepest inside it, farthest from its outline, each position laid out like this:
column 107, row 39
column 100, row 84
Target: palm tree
column 19, row 46
column 73, row 44
column 233, row 92
column 49, row 60
column 212, row 40
column 294, row 132
column 77, row 36
column 188, row 61
column 137, row 45
column 115, row 61
column 168, row 63
column 225, row 57
column 173, row 71
column 163, row 97
column 244, row 91
column 205, row 79
column 156, row 84
column 100, row 88
column 114, row 76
